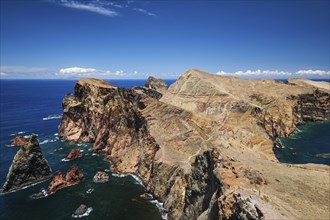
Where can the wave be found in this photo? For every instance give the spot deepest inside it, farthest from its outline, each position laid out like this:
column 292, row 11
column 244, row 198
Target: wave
column 45, row 141
column 65, row 160
column 120, row 175
column 160, row 207
column 89, row 210
column 61, row 148
column 50, row 117
column 17, row 133
column 137, row 179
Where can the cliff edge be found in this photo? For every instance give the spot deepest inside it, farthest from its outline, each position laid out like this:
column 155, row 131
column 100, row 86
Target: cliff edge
column 205, row 148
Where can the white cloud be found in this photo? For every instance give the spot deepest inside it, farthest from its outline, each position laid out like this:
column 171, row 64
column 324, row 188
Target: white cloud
column 313, row 72
column 24, row 72
column 21, row 69
column 98, row 7
column 144, row 11
column 276, row 74
column 77, row 71
column 256, row 73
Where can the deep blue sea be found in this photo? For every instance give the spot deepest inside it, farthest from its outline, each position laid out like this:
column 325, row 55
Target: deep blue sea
column 23, row 106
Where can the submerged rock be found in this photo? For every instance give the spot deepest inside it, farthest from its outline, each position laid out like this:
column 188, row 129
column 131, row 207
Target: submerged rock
column 73, row 176
column 101, row 177
column 82, row 211
column 29, row 166
column 74, row 154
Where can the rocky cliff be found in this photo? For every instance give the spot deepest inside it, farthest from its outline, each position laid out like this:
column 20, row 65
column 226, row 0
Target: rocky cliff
column 28, row 167
column 204, row 149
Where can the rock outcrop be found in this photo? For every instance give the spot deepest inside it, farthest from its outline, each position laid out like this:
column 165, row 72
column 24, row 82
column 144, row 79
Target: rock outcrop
column 205, row 148
column 19, row 141
column 101, row 177
column 156, row 84
column 74, row 154
column 72, row 177
column 29, row 166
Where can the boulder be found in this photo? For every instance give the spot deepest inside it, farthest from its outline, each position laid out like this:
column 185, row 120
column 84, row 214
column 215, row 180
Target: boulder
column 101, row 177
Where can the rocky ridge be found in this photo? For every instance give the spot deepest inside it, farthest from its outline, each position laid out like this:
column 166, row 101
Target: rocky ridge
column 205, row 148
column 28, row 167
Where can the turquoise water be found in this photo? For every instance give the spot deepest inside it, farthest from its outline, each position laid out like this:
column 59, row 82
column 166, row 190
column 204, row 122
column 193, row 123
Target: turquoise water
column 310, row 145
column 23, row 105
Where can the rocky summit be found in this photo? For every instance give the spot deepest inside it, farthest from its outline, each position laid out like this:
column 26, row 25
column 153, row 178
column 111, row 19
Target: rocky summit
column 205, row 148
column 28, row 167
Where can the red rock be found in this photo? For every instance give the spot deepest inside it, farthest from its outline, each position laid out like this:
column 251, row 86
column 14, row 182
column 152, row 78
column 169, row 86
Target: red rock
column 57, row 183
column 74, row 154
column 19, row 140
column 73, row 176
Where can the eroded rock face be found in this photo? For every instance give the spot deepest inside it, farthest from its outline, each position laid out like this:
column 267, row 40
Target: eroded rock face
column 180, row 145
column 236, row 206
column 29, row 166
column 72, row 177
column 74, row 154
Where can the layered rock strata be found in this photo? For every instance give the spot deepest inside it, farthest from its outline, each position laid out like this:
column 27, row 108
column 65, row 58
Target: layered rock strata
column 205, row 148
column 29, row 166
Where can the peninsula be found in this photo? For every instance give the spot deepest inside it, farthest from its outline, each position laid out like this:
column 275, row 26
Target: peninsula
column 204, row 146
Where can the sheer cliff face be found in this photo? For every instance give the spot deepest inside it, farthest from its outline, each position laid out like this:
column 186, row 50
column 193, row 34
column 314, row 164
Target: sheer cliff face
column 204, row 149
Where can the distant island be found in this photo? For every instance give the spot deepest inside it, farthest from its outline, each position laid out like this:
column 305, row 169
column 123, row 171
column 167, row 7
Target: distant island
column 204, row 146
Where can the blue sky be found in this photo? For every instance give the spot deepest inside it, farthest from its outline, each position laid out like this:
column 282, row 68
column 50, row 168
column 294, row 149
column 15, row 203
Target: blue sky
column 134, row 39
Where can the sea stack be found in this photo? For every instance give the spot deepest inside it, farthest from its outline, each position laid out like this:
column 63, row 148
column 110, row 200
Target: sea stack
column 72, row 177
column 28, row 167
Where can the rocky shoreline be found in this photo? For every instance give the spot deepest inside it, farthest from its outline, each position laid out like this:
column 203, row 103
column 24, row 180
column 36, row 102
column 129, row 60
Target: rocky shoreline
column 203, row 147
column 181, row 144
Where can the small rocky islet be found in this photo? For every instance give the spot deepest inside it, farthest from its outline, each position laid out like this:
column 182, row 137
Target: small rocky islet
column 29, row 166
column 204, row 146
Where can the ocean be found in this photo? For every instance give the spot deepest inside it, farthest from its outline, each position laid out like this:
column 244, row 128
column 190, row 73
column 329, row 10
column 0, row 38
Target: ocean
column 29, row 106
column 310, row 145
